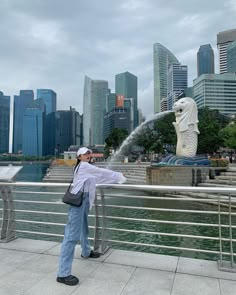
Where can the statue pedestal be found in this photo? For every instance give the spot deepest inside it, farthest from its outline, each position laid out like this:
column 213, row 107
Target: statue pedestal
column 178, row 175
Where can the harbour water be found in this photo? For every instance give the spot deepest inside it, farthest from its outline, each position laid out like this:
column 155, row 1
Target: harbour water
column 35, row 172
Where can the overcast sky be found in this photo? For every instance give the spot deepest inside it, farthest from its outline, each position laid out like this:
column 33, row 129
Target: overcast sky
column 55, row 43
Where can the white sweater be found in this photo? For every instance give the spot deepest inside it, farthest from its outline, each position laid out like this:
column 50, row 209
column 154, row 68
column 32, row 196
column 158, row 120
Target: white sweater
column 86, row 176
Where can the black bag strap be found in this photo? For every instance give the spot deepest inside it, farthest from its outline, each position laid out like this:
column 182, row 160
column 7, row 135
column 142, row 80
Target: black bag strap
column 75, row 171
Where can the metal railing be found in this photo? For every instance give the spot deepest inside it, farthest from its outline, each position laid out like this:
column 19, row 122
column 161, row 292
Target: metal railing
column 158, row 219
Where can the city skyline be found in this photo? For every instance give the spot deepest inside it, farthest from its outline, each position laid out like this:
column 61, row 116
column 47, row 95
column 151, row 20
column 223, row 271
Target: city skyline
column 56, row 48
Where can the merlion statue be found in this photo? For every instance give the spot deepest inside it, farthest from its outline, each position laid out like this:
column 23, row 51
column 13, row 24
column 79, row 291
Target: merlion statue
column 186, row 127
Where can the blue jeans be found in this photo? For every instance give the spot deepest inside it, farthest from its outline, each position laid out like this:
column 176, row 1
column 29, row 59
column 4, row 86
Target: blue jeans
column 76, row 230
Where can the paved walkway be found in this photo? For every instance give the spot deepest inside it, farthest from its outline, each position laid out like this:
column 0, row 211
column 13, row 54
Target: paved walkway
column 29, row 267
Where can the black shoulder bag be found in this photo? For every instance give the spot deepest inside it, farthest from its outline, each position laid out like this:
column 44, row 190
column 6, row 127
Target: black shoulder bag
column 73, row 199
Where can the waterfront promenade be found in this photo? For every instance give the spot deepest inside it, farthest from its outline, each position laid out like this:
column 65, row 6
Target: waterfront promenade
column 29, row 267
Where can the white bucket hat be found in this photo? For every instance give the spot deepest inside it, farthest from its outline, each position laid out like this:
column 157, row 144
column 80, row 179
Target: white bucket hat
column 83, row 151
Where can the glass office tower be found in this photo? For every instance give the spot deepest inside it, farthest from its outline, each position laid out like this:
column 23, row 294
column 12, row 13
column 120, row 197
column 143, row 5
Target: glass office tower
column 118, row 117
column 4, row 122
column 162, row 57
column 205, row 60
column 21, row 102
column 216, row 91
column 127, row 84
column 33, row 129
column 223, row 40
column 94, row 109
column 63, row 130
column 111, row 102
column 50, row 99
column 231, row 57
column 177, row 82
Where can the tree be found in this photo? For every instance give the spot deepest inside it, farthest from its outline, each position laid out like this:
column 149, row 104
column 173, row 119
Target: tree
column 210, row 124
column 228, row 135
column 146, row 139
column 115, row 139
column 157, row 137
column 165, row 131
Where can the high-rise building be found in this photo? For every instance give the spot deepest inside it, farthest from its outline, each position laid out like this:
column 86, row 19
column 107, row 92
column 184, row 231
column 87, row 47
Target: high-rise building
column 177, row 82
column 34, row 129
column 111, row 102
column 63, row 130
column 21, row 102
column 216, row 91
column 162, row 57
column 126, row 84
column 129, row 105
column 94, row 109
column 50, row 99
column 231, row 57
column 205, row 60
column 4, row 122
column 118, row 117
column 223, row 40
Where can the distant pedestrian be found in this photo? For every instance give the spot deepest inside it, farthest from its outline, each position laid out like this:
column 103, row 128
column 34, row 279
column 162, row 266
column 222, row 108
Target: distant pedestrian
column 86, row 176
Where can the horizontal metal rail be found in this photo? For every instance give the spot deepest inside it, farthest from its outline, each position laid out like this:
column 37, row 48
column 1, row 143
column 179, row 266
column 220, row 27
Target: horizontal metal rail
column 128, row 187
column 167, row 221
column 132, row 231
column 165, row 209
column 178, row 197
column 36, row 193
column 167, row 234
column 126, row 219
column 168, row 247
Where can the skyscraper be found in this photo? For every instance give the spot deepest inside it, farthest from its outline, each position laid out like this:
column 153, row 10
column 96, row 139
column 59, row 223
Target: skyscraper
column 33, row 129
column 111, row 102
column 4, row 122
column 205, row 60
column 118, row 117
column 231, row 57
column 50, row 99
column 223, row 40
column 162, row 57
column 177, row 82
column 63, row 130
column 94, row 108
column 21, row 102
column 216, row 91
column 127, row 84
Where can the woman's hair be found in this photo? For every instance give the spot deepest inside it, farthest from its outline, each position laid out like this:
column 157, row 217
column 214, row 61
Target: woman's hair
column 77, row 163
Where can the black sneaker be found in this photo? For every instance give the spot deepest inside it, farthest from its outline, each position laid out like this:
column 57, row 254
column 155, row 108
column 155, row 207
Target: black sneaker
column 92, row 255
column 69, row 280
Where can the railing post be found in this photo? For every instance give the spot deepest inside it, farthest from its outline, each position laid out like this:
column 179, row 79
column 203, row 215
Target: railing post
column 229, row 266
column 8, row 223
column 104, row 246
column 100, row 244
column 96, row 225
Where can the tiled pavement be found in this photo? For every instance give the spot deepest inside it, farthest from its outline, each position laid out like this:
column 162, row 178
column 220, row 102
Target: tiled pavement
column 29, row 267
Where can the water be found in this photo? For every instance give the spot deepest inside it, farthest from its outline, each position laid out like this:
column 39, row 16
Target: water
column 122, row 151
column 35, row 172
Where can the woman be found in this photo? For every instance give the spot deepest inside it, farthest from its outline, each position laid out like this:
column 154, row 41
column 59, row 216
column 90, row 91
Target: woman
column 86, row 176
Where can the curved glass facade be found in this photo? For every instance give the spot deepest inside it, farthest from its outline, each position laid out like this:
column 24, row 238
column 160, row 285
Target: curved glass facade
column 205, row 60
column 162, row 57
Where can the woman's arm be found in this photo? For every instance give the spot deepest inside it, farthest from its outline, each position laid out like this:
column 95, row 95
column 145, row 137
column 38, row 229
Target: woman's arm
column 102, row 175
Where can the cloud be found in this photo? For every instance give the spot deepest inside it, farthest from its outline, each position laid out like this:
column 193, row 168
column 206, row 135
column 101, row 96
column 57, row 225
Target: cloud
column 54, row 44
